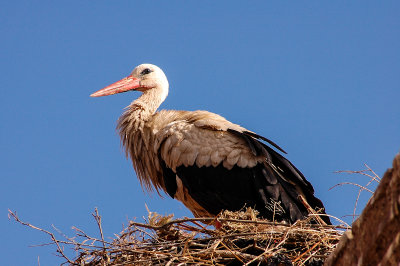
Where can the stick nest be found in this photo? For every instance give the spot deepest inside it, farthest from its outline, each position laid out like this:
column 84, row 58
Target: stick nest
column 233, row 238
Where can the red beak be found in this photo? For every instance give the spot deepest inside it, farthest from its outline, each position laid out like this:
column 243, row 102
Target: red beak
column 125, row 84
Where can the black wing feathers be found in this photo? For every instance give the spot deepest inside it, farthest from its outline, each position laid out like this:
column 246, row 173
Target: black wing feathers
column 256, row 147
column 254, row 135
column 217, row 189
column 272, row 187
column 169, row 179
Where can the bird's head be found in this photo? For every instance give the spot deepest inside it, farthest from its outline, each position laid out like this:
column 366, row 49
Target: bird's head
column 143, row 78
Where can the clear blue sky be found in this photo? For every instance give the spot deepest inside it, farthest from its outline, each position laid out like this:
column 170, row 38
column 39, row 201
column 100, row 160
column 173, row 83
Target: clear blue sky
column 320, row 79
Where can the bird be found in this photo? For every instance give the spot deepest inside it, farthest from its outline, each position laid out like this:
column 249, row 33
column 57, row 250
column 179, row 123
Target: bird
column 205, row 161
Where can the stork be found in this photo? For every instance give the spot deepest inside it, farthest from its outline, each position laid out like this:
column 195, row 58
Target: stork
column 205, row 161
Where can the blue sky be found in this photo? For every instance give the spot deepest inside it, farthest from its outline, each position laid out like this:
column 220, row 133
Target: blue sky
column 320, row 79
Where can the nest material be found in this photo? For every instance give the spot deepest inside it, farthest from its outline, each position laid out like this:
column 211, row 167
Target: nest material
column 234, row 238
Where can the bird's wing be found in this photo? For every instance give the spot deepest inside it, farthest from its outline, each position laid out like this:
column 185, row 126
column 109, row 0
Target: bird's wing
column 223, row 166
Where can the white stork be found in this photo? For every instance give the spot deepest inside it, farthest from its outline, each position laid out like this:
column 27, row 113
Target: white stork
column 203, row 160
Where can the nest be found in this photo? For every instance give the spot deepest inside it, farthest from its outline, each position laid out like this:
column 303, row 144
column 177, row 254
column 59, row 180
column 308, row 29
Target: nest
column 234, row 238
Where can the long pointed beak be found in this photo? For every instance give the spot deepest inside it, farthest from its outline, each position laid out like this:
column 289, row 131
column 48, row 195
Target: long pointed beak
column 125, row 84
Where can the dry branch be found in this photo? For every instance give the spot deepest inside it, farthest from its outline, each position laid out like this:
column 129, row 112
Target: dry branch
column 373, row 179
column 374, row 238
column 53, row 238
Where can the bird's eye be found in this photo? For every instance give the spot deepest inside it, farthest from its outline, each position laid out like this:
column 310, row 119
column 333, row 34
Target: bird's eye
column 146, row 71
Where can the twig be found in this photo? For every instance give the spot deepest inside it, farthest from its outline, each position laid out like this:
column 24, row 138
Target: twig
column 354, row 184
column 373, row 177
column 59, row 249
column 308, row 250
column 97, row 217
column 311, row 210
column 346, row 225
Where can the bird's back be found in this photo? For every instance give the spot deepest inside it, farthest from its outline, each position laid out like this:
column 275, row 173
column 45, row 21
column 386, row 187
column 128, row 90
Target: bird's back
column 223, row 166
